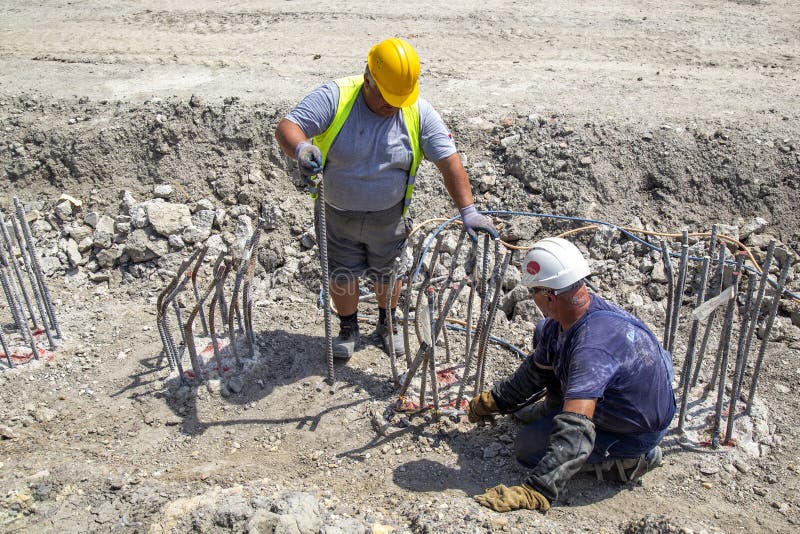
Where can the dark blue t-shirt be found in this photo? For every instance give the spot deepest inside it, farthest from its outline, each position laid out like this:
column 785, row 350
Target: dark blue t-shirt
column 611, row 356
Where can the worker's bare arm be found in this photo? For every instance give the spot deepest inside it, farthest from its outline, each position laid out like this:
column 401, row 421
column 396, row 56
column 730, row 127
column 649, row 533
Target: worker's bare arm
column 456, row 180
column 581, row 406
column 289, row 135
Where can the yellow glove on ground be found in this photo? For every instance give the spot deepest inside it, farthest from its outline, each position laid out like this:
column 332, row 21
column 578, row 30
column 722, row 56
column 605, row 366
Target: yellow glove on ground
column 481, row 406
column 504, row 499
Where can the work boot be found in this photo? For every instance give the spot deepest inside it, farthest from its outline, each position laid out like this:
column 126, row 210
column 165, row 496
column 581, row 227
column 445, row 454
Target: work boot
column 345, row 343
column 396, row 338
column 627, row 469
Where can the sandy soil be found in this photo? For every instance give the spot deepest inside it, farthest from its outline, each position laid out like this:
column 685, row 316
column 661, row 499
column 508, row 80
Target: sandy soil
column 687, row 112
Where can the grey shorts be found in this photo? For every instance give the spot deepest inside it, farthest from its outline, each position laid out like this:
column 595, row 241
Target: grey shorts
column 365, row 243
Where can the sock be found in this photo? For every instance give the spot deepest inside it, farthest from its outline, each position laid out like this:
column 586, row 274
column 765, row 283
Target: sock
column 349, row 319
column 382, row 314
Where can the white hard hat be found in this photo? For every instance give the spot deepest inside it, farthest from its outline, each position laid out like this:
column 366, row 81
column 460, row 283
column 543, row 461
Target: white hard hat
column 554, row 263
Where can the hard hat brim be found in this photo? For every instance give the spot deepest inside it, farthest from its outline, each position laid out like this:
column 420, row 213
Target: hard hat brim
column 399, row 101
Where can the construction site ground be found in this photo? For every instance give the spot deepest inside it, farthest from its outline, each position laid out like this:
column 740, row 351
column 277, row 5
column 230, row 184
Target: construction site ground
column 673, row 116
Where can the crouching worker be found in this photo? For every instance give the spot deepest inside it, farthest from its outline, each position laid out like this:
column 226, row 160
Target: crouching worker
column 608, row 380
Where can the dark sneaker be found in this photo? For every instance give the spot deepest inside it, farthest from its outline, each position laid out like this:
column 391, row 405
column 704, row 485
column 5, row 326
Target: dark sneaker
column 345, row 343
column 395, row 340
column 625, row 470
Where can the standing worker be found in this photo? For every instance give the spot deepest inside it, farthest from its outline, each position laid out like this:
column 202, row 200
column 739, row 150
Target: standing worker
column 369, row 133
column 609, row 395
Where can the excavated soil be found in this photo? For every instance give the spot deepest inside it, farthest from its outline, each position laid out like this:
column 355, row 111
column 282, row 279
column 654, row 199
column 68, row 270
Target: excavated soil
column 644, row 115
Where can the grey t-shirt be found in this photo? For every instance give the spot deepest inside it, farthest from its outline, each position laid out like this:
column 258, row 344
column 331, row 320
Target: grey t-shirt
column 367, row 165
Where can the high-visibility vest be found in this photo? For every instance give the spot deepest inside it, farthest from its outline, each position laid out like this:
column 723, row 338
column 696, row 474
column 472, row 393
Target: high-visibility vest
column 348, row 92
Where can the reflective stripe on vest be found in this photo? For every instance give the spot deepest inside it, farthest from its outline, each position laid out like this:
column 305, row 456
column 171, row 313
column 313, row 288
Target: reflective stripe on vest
column 348, row 92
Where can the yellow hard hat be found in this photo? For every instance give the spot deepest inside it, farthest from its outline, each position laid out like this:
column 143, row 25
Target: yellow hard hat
column 394, row 65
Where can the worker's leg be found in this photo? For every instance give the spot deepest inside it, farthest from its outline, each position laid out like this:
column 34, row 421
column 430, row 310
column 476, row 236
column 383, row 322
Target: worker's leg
column 344, row 294
column 381, row 290
column 385, row 234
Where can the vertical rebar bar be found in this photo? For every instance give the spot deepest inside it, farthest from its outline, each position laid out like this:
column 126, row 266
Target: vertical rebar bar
column 738, row 369
column 688, row 362
column 715, row 290
column 725, row 347
column 679, row 288
column 407, row 300
column 6, row 237
column 247, row 291
column 196, row 290
column 773, row 311
column 221, row 272
column 37, row 269
column 665, row 259
column 6, row 351
column 37, row 295
column 498, row 290
column 756, row 307
column 390, row 320
column 432, row 350
column 322, row 222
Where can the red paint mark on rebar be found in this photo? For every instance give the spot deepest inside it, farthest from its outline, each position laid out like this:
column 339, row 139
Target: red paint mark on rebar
column 39, row 331
column 446, row 376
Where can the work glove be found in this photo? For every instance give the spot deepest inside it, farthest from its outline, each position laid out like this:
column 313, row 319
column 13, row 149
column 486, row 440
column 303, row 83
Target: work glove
column 481, row 407
column 309, row 158
column 504, row 499
column 475, row 222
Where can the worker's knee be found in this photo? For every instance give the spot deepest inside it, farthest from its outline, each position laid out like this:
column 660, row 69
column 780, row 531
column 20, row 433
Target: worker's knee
column 530, row 444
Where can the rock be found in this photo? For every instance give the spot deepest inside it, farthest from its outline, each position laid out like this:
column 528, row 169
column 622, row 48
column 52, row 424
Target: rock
column 50, row 265
column 659, row 274
column 510, row 141
column 103, row 235
column 167, row 218
column 176, row 242
column 216, row 246
column 512, row 278
column 231, row 510
column 63, row 210
column 76, row 203
column 728, row 230
column 709, row 470
column 91, row 218
column 235, row 384
column 72, row 250
column 140, row 247
column 741, row 466
column 7, row 432
column 755, row 225
column 200, row 228
column 43, row 414
column 109, row 257
column 492, row 450
column 79, row 232
column 127, row 202
column 164, row 191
